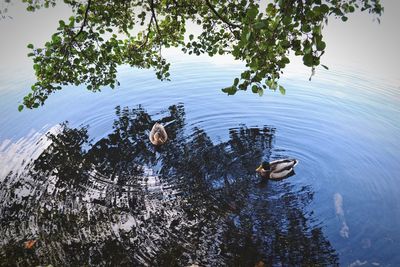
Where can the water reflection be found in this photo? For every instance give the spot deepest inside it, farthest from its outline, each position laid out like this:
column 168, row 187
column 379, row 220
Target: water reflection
column 121, row 201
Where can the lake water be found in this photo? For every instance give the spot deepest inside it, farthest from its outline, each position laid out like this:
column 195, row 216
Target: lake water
column 94, row 191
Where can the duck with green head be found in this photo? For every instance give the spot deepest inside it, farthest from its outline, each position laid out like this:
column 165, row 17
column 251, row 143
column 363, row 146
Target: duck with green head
column 277, row 169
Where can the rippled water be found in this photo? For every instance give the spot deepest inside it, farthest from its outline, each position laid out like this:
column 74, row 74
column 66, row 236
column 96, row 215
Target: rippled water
column 94, row 191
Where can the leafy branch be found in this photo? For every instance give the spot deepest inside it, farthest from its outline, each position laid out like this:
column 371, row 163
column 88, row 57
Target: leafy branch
column 262, row 39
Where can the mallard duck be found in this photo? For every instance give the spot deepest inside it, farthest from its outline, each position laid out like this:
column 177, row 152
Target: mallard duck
column 277, row 169
column 158, row 135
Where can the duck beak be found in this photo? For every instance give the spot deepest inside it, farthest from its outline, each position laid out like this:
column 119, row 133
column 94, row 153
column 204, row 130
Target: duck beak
column 259, row 168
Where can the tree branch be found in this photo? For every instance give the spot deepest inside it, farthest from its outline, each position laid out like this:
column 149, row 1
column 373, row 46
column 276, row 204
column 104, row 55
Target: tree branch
column 85, row 18
column 230, row 24
column 84, row 21
column 70, row 44
column 153, row 15
column 148, row 33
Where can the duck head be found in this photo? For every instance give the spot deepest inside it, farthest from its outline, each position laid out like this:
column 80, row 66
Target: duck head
column 264, row 166
column 159, row 138
column 264, row 169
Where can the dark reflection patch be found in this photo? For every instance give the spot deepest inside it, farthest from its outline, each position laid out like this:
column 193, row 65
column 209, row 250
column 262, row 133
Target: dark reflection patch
column 121, row 202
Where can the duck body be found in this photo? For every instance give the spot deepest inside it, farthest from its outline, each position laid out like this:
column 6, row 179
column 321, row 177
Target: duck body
column 277, row 169
column 158, row 135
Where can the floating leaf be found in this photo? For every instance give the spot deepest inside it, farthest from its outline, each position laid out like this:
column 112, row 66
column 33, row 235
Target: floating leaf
column 29, row 244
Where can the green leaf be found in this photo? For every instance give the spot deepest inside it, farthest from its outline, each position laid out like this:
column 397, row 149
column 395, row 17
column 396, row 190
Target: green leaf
column 20, row 108
column 30, row 46
column 260, row 91
column 260, row 25
column 306, row 28
column 321, row 45
column 271, row 84
column 245, row 75
column 254, row 89
column 287, row 20
column 252, row 12
column 282, row 90
column 317, row 30
column 248, row 35
column 271, row 10
column 231, row 90
column 308, row 60
column 324, row 8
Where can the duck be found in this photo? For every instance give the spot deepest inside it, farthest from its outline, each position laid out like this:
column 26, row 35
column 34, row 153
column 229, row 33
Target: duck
column 277, row 169
column 158, row 136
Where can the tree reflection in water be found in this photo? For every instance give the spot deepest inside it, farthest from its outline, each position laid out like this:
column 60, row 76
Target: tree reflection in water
column 120, row 201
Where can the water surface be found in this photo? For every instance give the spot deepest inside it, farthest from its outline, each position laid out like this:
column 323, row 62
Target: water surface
column 94, row 191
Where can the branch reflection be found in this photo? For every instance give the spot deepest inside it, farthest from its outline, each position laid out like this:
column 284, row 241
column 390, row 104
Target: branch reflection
column 120, row 201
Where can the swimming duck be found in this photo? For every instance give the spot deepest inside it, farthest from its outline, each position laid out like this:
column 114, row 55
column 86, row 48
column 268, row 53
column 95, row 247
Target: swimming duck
column 277, row 169
column 158, row 135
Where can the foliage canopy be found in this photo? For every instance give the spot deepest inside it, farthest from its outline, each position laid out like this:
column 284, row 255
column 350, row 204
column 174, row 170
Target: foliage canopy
column 103, row 34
